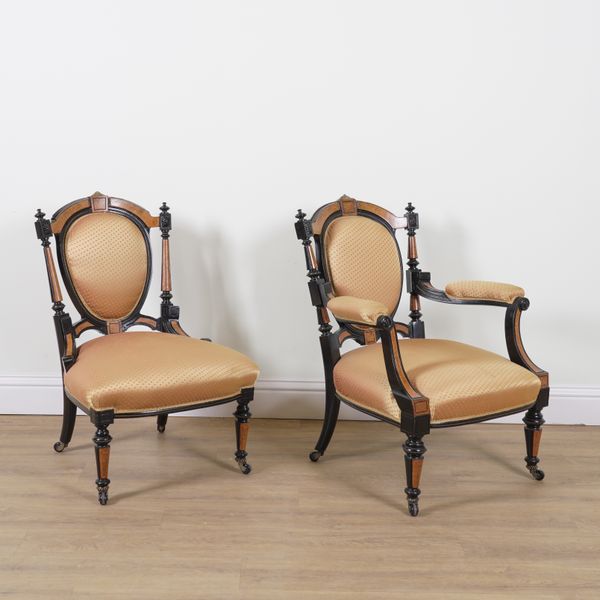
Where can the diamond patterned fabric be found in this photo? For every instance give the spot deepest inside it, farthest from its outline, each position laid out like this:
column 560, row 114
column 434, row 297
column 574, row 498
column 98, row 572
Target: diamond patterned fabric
column 363, row 260
column 143, row 371
column 107, row 262
column 461, row 381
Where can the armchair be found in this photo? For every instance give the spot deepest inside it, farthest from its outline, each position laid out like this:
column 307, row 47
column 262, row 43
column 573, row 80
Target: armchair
column 104, row 256
column 416, row 384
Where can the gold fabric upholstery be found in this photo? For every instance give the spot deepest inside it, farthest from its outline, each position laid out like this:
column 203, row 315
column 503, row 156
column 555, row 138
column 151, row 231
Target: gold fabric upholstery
column 363, row 260
column 107, row 261
column 461, row 381
column 143, row 371
column 347, row 308
column 484, row 290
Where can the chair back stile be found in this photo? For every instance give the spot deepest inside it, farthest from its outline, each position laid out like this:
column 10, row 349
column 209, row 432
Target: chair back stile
column 416, row 326
column 63, row 325
column 168, row 311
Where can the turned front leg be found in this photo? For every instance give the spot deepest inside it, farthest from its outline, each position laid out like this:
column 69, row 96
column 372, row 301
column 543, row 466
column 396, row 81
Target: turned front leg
column 414, row 449
column 533, row 420
column 102, row 441
column 242, row 416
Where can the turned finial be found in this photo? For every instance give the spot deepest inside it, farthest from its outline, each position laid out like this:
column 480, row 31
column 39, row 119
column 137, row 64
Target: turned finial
column 303, row 227
column 412, row 219
column 43, row 227
column 165, row 220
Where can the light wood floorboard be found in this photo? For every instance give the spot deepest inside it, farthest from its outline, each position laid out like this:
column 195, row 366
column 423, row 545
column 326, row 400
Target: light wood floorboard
column 183, row 522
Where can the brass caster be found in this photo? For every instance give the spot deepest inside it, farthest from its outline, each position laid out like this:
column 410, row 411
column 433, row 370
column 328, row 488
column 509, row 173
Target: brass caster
column 536, row 473
column 412, row 496
column 59, row 446
column 315, row 455
column 160, row 428
column 245, row 468
column 103, row 496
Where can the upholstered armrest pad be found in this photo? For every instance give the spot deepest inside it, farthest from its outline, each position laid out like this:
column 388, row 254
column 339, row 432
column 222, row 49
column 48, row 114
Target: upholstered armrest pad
column 358, row 310
column 484, row 290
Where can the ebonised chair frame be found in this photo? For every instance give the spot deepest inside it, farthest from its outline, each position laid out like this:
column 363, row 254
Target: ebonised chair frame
column 167, row 322
column 414, row 408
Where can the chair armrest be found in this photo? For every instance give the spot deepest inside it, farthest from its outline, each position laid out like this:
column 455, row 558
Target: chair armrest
column 356, row 310
column 420, row 283
column 484, row 290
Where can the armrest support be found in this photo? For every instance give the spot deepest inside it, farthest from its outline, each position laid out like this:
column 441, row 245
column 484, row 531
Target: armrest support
column 356, row 310
column 414, row 407
column 514, row 342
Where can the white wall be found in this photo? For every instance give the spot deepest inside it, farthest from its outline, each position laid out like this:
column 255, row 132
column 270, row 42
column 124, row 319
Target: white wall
column 483, row 114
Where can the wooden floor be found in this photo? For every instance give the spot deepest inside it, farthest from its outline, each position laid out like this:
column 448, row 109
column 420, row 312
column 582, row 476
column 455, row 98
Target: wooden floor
column 183, row 522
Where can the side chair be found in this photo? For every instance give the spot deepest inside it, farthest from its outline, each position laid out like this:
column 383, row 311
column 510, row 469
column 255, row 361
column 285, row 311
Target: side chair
column 104, row 256
column 355, row 273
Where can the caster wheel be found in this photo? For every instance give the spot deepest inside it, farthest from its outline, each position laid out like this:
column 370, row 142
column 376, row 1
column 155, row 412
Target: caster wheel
column 315, row 455
column 413, row 509
column 103, row 497
column 59, row 446
column 160, row 428
column 245, row 468
column 537, row 474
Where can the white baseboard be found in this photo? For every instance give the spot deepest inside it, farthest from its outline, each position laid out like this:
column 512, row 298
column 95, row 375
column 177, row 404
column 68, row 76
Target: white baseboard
column 281, row 399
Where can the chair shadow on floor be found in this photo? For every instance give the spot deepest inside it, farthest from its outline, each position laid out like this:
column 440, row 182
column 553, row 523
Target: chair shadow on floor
column 196, row 456
column 471, row 446
column 89, row 446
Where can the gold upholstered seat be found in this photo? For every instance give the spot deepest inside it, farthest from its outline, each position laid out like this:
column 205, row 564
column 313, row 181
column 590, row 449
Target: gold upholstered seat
column 146, row 371
column 416, row 384
column 462, row 382
column 105, row 259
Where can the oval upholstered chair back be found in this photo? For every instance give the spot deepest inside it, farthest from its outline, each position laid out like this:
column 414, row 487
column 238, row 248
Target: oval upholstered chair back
column 105, row 258
column 358, row 251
